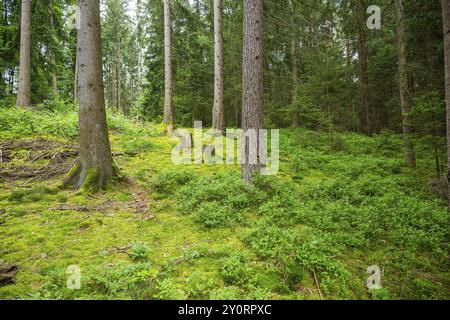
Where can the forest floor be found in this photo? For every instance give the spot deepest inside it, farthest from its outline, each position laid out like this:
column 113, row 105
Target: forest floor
column 338, row 205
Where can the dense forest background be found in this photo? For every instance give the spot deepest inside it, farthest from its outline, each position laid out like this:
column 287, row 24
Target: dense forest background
column 87, row 184
column 311, row 65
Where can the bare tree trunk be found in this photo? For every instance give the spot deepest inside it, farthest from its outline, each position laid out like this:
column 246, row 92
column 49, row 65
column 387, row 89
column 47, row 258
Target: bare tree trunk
column 95, row 165
column 24, row 87
column 350, row 81
column 168, row 111
column 294, row 69
column 53, row 57
column 446, row 20
column 75, row 80
column 253, row 90
column 363, row 78
column 218, row 120
column 405, row 93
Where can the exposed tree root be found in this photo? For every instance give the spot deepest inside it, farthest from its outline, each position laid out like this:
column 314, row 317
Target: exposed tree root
column 90, row 180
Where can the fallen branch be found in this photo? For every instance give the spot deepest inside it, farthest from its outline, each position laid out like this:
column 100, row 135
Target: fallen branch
column 317, row 284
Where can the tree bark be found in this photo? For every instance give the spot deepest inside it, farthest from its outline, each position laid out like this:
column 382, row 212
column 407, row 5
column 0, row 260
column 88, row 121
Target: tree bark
column 75, row 80
column 363, row 78
column 253, row 90
column 294, row 69
column 95, row 165
column 405, row 93
column 218, row 119
column 24, row 86
column 349, row 54
column 168, row 111
column 446, row 21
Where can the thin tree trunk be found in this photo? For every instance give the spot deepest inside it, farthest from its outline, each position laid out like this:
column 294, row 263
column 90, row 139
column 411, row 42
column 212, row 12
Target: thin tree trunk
column 54, row 77
column 24, row 87
column 405, row 93
column 53, row 56
column 350, row 81
column 168, row 111
column 253, row 91
column 294, row 69
column 363, row 78
column 75, row 81
column 95, row 164
column 446, row 20
column 218, row 121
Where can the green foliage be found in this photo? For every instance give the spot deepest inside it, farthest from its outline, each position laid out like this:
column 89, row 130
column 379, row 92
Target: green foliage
column 217, row 201
column 139, row 251
column 168, row 181
column 27, row 123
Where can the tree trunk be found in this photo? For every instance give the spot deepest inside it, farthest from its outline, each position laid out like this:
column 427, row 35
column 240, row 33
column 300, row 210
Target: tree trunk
column 294, row 69
column 253, row 91
column 446, row 20
column 349, row 54
column 218, row 120
column 54, row 77
column 75, row 81
column 405, row 93
column 363, row 78
column 95, row 165
column 24, row 86
column 168, row 111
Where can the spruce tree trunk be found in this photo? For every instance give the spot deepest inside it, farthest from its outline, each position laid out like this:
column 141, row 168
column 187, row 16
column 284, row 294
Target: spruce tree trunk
column 218, row 116
column 75, row 81
column 54, row 77
column 446, row 20
column 294, row 69
column 95, row 166
column 168, row 111
column 253, row 90
column 24, row 86
column 363, row 78
column 405, row 93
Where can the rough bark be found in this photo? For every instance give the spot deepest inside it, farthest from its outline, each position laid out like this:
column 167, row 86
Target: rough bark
column 24, row 86
column 253, row 92
column 405, row 93
column 218, row 116
column 446, row 20
column 363, row 78
column 294, row 69
column 95, row 165
column 168, row 109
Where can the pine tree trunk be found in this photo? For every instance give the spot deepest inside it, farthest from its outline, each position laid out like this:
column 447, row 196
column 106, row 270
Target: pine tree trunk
column 405, row 93
column 446, row 20
column 24, row 86
column 95, row 165
column 168, row 111
column 363, row 78
column 294, row 69
column 218, row 120
column 253, row 91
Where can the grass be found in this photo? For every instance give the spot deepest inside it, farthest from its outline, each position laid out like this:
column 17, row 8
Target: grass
column 337, row 207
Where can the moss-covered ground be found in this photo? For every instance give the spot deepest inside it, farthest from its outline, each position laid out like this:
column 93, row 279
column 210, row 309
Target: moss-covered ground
column 166, row 231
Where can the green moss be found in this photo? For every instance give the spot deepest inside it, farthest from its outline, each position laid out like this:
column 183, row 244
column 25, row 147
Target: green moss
column 334, row 213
